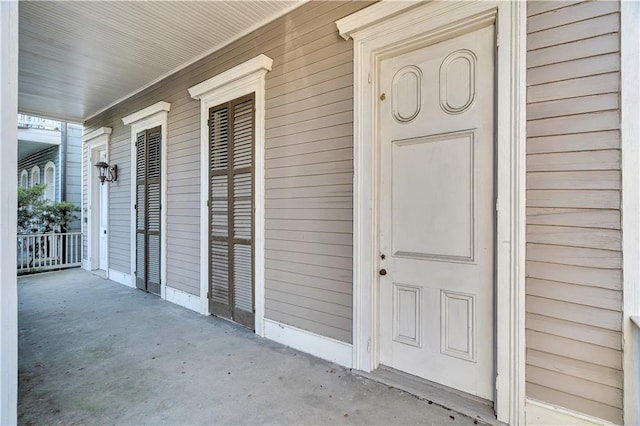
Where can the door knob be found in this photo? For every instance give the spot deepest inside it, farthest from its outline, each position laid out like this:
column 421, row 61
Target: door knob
column 383, row 272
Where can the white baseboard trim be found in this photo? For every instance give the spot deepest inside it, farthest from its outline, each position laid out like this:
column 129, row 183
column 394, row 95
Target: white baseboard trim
column 86, row 265
column 311, row 343
column 541, row 413
column 183, row 299
column 120, row 277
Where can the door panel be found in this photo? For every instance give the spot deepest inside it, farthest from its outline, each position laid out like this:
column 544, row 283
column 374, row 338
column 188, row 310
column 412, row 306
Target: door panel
column 436, row 212
column 231, row 142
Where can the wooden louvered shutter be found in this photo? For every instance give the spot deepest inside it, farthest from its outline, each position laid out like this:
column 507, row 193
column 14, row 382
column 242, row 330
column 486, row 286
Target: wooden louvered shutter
column 148, row 210
column 231, row 145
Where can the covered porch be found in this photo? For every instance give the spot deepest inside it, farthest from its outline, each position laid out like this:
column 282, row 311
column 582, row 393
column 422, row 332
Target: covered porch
column 93, row 351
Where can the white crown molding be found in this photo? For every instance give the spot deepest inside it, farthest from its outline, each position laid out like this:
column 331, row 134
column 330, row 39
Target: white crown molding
column 257, row 64
column 97, row 133
column 147, row 112
column 372, row 15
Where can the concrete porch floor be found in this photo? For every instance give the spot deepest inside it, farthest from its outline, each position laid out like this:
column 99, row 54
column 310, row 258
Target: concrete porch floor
column 92, row 351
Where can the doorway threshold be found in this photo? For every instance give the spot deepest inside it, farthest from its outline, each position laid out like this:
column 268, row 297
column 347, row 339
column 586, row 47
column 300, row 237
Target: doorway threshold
column 477, row 408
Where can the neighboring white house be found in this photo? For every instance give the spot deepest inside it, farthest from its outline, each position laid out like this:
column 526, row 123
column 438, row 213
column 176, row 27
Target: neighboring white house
column 445, row 190
column 50, row 153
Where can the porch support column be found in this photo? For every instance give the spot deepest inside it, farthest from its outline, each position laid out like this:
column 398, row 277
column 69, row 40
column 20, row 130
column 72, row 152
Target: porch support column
column 8, row 206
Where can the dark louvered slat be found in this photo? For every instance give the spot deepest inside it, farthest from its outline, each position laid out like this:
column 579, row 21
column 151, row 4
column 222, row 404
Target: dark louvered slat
column 218, row 139
column 153, row 207
column 140, row 256
column 220, row 271
column 219, row 206
column 243, row 134
column 243, row 277
column 242, row 206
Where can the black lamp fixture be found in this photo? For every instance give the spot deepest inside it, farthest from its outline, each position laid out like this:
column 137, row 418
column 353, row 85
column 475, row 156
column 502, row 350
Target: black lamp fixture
column 107, row 173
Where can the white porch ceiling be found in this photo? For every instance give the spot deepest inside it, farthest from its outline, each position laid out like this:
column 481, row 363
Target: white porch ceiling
column 79, row 57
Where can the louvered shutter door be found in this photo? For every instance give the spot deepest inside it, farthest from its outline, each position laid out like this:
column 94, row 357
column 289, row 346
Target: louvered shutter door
column 148, row 208
column 153, row 210
column 231, row 142
column 243, row 128
column 219, row 211
column 141, row 223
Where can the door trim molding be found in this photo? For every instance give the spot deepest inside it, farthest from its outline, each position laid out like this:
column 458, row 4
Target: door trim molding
column 376, row 33
column 245, row 78
column 630, row 156
column 93, row 141
column 152, row 116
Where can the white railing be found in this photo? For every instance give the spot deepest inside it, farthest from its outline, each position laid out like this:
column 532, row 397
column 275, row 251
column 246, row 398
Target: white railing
column 42, row 252
column 31, row 122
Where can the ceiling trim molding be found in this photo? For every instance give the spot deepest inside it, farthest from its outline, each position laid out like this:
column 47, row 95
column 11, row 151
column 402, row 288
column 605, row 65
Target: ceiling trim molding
column 146, row 112
column 200, row 57
column 372, row 15
column 257, row 64
column 97, row 133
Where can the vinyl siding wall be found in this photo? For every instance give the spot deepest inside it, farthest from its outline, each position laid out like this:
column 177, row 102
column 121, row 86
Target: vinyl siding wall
column 308, row 168
column 574, row 277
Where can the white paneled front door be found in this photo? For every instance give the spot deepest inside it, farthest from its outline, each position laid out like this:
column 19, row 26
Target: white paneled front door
column 103, row 218
column 436, row 216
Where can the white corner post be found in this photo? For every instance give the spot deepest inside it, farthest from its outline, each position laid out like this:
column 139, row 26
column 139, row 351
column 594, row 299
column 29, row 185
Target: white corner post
column 8, row 214
column 630, row 138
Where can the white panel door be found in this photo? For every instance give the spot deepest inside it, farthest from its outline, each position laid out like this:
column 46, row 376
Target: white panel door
column 436, row 107
column 103, row 218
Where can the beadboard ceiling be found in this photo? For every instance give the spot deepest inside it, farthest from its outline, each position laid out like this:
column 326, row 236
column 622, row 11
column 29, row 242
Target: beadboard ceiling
column 79, row 57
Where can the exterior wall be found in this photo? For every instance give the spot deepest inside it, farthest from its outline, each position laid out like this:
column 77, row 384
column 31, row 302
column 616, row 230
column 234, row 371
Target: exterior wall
column 40, row 159
column 574, row 277
column 308, row 168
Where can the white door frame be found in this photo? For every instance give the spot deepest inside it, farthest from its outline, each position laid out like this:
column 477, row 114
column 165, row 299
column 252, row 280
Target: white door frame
column 95, row 141
column 630, row 135
column 243, row 79
column 152, row 116
column 390, row 27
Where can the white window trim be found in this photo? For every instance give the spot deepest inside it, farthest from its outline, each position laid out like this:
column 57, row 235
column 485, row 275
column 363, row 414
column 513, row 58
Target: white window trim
column 51, row 187
column 630, row 135
column 95, row 140
column 153, row 116
column 246, row 78
column 23, row 175
column 374, row 30
column 34, row 170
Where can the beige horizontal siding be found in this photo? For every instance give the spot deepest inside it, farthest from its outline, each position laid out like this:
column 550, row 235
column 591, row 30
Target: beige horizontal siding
column 573, row 269
column 308, row 160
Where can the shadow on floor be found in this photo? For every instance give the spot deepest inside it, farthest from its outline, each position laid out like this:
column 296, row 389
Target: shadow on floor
column 95, row 352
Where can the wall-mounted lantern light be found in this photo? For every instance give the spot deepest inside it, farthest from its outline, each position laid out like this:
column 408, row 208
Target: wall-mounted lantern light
column 107, row 173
